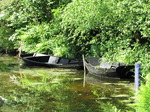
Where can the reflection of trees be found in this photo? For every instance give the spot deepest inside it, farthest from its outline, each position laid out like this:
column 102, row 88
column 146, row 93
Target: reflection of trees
column 47, row 95
column 48, row 91
column 4, row 66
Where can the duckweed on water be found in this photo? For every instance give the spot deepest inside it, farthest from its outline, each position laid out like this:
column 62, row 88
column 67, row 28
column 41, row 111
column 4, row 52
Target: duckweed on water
column 56, row 90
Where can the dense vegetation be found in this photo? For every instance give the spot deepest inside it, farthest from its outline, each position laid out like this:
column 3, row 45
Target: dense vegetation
column 113, row 29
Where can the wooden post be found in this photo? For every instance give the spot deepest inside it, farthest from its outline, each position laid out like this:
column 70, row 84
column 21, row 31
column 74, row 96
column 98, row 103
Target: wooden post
column 20, row 48
column 84, row 70
column 137, row 77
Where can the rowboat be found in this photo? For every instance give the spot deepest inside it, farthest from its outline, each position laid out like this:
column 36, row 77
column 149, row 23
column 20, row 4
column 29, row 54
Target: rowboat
column 99, row 67
column 52, row 61
column 95, row 67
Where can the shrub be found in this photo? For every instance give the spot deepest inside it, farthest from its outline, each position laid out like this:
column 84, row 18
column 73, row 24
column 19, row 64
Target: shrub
column 143, row 101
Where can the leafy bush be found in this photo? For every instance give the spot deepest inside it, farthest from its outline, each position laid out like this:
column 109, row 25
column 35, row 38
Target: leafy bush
column 34, row 38
column 6, row 46
column 144, row 96
column 106, row 24
column 24, row 12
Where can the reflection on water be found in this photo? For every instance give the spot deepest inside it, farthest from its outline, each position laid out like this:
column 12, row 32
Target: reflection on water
column 60, row 90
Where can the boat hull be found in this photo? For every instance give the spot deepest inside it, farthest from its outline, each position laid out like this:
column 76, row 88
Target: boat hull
column 95, row 67
column 52, row 62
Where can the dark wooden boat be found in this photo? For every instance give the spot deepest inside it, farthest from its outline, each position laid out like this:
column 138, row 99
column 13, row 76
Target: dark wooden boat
column 101, row 68
column 104, row 68
column 52, row 62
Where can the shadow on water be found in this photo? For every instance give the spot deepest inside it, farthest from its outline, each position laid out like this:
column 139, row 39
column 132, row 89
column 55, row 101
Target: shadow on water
column 60, row 90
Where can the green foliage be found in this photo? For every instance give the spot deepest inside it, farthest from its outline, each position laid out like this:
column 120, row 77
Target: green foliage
column 143, row 101
column 22, row 13
column 43, row 38
column 61, row 48
column 6, row 46
column 60, row 3
column 35, row 38
column 5, row 4
column 27, row 11
column 35, row 31
column 108, row 25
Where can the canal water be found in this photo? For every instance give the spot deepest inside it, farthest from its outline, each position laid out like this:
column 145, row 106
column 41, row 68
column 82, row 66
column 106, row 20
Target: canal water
column 36, row 89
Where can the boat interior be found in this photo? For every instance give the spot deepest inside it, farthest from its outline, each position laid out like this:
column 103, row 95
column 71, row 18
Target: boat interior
column 52, row 60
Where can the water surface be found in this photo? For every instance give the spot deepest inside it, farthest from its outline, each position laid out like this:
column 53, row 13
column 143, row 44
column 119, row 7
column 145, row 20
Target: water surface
column 36, row 89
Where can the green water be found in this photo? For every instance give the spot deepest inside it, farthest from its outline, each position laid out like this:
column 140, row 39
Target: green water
column 60, row 90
